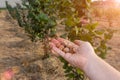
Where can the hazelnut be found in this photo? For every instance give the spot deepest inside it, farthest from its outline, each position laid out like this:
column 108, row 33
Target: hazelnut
column 66, row 50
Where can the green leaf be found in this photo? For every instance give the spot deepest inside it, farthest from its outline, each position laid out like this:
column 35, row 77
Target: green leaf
column 63, row 35
column 91, row 26
column 51, row 22
column 79, row 71
column 42, row 17
column 100, row 32
column 76, row 29
column 70, row 75
column 68, row 69
column 70, row 22
column 108, row 36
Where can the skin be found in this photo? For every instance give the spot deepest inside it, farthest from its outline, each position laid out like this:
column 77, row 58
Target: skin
column 7, row 75
column 84, row 57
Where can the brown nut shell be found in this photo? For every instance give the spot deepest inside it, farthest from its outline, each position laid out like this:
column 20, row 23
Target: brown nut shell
column 66, row 50
column 58, row 45
column 72, row 50
column 61, row 47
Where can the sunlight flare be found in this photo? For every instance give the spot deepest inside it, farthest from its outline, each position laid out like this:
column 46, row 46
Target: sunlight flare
column 117, row 0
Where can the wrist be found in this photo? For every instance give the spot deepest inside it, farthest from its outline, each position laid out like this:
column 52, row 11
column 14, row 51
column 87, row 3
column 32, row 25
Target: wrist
column 90, row 62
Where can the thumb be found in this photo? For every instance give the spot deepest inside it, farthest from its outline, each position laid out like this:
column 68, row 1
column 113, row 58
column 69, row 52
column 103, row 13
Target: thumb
column 78, row 42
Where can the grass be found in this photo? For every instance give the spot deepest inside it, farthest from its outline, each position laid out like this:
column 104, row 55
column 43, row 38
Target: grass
column 3, row 9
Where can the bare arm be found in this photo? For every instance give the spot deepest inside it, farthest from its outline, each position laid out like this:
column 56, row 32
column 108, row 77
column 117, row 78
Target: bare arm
column 97, row 69
column 86, row 59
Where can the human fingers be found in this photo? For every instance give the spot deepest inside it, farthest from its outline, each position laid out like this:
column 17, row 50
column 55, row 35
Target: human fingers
column 56, row 42
column 67, row 43
column 60, row 52
column 52, row 44
column 78, row 42
column 66, row 56
column 63, row 47
column 54, row 53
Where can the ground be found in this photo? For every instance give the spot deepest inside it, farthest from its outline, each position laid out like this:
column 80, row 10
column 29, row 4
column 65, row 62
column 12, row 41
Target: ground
column 18, row 52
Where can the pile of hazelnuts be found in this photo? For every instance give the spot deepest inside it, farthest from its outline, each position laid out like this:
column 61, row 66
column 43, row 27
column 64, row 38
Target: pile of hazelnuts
column 63, row 46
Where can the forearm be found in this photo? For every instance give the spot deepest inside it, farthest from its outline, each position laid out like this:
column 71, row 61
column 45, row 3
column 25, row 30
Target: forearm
column 97, row 69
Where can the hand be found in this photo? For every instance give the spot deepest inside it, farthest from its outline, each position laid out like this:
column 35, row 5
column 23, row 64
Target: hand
column 82, row 55
column 81, row 52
